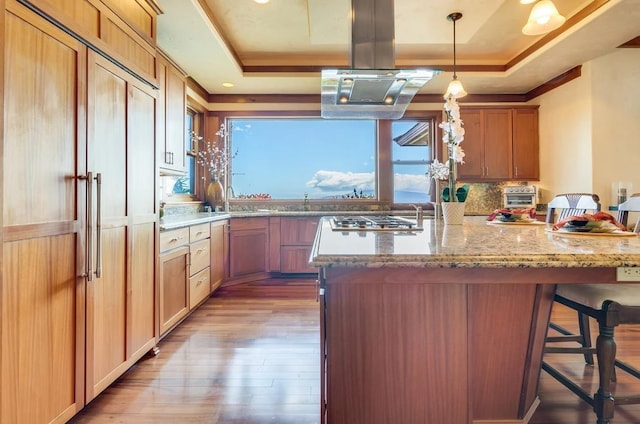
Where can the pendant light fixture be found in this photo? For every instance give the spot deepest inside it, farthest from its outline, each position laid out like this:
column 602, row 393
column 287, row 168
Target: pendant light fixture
column 455, row 89
column 544, row 18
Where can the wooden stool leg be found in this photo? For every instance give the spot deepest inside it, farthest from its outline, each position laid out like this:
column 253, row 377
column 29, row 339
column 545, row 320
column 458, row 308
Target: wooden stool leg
column 606, row 354
column 585, row 334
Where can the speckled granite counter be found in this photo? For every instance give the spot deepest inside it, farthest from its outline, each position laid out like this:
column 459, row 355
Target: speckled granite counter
column 472, row 245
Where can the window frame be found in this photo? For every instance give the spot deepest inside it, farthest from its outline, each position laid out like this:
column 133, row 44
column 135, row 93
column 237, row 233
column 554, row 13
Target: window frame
column 383, row 167
column 433, row 125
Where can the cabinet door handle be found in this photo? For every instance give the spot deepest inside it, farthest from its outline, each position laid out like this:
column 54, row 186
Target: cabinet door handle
column 98, row 178
column 99, row 225
column 516, row 171
column 89, row 229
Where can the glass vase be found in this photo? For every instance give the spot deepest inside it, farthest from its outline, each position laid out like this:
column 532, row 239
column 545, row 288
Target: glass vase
column 215, row 193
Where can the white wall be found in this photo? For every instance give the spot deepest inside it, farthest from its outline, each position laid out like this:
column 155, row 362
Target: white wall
column 565, row 138
column 615, row 86
column 590, row 129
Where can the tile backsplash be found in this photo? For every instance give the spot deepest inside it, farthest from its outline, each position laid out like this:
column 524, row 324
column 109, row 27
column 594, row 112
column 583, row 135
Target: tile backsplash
column 483, row 199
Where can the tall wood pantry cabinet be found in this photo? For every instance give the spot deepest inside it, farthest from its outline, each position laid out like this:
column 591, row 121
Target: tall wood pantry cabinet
column 77, row 288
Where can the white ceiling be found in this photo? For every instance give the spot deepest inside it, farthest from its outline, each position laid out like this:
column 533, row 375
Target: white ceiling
column 279, row 47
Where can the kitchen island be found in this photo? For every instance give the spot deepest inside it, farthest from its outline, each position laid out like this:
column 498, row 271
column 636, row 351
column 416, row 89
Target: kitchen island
column 446, row 324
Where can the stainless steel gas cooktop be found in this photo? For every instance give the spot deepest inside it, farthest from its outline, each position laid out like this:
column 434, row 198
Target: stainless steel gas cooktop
column 373, row 223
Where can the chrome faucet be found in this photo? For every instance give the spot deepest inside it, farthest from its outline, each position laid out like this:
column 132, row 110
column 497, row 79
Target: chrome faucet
column 419, row 215
column 230, row 193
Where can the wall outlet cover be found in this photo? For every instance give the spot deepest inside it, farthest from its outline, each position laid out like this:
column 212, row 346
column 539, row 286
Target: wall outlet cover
column 628, row 274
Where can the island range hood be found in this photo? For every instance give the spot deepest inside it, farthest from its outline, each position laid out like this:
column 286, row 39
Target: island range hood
column 371, row 88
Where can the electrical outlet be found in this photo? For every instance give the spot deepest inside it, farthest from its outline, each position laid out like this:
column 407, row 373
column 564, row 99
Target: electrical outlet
column 627, row 274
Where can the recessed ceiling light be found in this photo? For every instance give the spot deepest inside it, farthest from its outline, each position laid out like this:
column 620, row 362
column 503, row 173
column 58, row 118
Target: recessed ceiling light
column 227, row 84
column 261, row 1
column 527, row 1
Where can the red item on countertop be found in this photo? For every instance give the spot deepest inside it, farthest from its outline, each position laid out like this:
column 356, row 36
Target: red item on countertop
column 598, row 216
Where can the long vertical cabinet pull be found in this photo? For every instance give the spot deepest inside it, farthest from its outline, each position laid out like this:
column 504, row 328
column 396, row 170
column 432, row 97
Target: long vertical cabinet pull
column 99, row 225
column 98, row 179
column 90, row 230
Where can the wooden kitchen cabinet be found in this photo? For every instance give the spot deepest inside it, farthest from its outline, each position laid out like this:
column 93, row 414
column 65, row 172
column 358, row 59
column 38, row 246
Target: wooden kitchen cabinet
column 219, row 253
column 171, row 119
column 185, row 270
column 78, row 299
column 200, row 261
column 500, row 144
column 296, row 238
column 43, row 290
column 124, row 30
column 526, row 145
column 120, row 151
column 249, row 247
column 173, row 278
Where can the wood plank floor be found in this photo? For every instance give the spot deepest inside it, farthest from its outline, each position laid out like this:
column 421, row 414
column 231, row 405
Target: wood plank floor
column 250, row 355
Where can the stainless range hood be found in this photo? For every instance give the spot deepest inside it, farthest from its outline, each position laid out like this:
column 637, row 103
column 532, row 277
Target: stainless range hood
column 372, row 88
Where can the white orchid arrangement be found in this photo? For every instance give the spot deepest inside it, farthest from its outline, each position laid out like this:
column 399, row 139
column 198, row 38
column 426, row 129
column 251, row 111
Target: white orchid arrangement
column 452, row 136
column 214, row 156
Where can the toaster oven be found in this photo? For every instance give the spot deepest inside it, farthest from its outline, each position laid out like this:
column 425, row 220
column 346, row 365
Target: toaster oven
column 520, row 196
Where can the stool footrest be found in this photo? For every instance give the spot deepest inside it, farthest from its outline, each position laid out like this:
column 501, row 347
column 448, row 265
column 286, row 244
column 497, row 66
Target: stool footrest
column 551, row 349
column 568, row 383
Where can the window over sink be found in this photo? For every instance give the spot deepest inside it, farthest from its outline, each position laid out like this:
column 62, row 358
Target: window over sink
column 290, row 158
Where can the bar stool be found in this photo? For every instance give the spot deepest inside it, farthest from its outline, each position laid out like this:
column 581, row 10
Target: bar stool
column 610, row 305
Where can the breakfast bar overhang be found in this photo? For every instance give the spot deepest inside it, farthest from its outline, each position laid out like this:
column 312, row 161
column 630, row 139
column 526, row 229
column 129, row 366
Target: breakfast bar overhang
column 447, row 324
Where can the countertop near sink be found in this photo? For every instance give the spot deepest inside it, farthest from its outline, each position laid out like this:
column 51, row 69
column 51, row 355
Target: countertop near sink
column 178, row 221
column 269, row 212
column 169, row 222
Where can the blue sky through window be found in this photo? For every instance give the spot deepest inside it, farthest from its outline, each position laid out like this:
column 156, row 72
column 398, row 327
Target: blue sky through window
column 289, row 157
column 327, row 159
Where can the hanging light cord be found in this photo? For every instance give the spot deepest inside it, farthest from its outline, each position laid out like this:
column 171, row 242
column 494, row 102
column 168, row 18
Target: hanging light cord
column 454, row 48
column 454, row 17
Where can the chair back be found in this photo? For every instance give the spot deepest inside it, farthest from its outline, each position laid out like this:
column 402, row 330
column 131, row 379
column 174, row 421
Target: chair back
column 568, row 204
column 631, row 205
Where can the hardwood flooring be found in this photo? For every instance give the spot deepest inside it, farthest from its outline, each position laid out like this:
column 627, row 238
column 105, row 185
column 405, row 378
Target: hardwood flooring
column 250, row 355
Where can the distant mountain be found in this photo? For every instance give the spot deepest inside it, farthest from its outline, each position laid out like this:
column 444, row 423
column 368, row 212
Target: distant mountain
column 400, row 196
column 410, row 197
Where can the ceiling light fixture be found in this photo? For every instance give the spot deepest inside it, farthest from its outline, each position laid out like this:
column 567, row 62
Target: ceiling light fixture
column 227, row 84
column 261, row 1
column 527, row 1
column 455, row 89
column 544, row 18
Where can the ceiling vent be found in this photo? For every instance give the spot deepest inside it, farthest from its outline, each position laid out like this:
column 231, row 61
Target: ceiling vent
column 371, row 88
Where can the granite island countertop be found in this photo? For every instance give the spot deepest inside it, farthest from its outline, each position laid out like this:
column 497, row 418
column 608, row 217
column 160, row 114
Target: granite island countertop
column 475, row 244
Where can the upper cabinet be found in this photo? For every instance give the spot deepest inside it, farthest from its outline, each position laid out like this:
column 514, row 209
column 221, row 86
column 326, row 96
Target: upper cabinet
column 500, row 144
column 125, row 30
column 171, row 118
column 526, row 154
